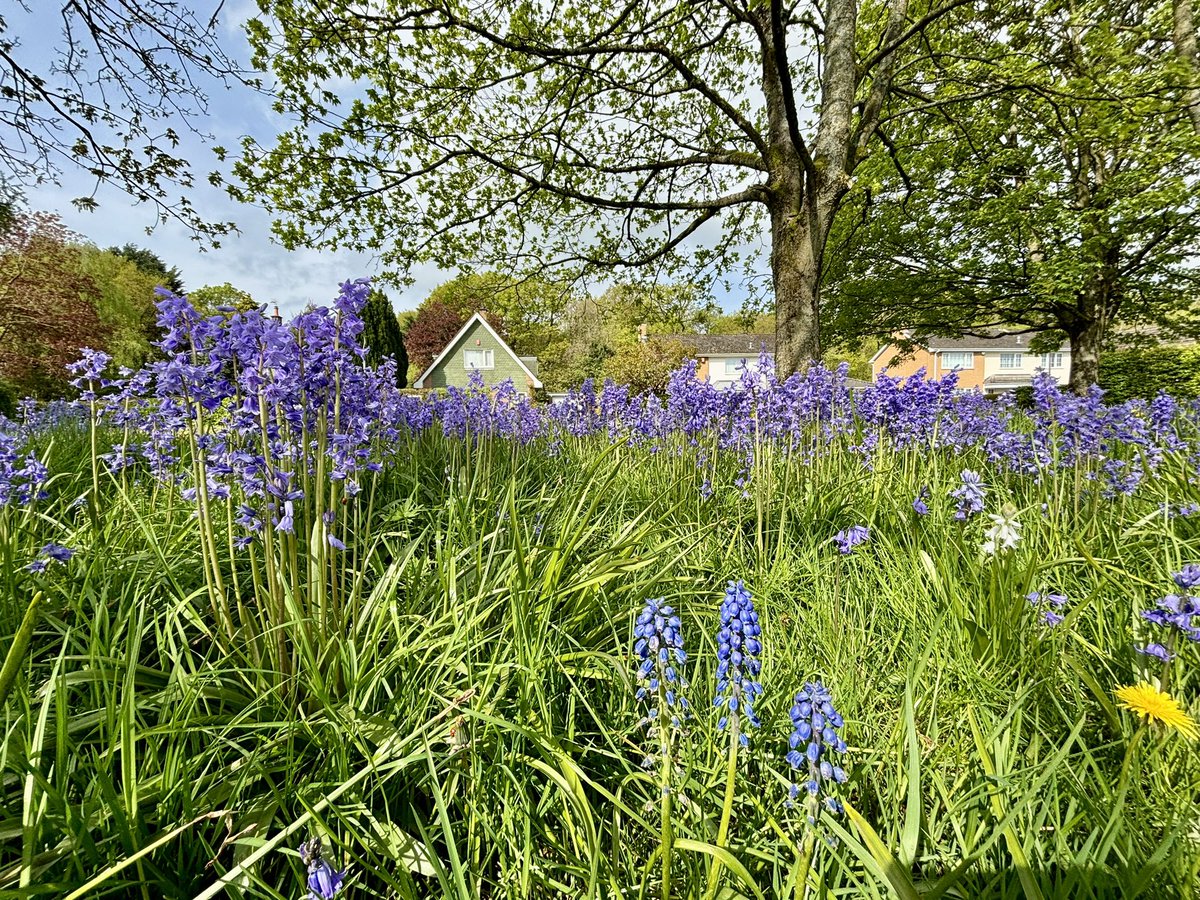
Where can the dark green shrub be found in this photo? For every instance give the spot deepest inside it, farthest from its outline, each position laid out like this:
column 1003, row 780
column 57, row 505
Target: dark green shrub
column 1125, row 374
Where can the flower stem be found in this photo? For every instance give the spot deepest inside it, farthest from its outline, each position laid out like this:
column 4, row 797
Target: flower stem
column 714, row 874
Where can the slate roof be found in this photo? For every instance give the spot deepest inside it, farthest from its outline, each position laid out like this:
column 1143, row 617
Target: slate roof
column 724, row 344
column 999, row 342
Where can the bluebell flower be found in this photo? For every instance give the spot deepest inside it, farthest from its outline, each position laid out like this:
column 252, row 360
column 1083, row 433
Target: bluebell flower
column 738, row 650
column 324, row 882
column 1047, row 604
column 969, row 495
column 1187, row 578
column 57, row 552
column 920, row 507
column 816, row 727
column 850, row 538
column 1157, row 651
column 286, row 522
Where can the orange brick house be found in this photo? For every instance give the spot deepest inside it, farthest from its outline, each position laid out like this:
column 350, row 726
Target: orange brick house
column 992, row 364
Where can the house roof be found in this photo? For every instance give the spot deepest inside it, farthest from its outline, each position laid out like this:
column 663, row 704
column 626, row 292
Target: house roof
column 995, row 343
column 420, row 382
column 724, row 344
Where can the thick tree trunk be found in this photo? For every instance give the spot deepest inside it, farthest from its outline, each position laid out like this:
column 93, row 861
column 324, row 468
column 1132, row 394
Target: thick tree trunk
column 1086, row 341
column 796, row 273
column 1184, row 34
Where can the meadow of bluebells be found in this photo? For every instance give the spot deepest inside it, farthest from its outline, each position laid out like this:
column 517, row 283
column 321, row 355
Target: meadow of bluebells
column 267, row 594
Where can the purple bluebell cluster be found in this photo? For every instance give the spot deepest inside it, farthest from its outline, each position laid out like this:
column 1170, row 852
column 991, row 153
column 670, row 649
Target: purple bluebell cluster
column 738, row 663
column 814, row 740
column 50, row 553
column 920, row 503
column 1048, row 605
column 22, row 475
column 851, row 537
column 969, row 494
column 324, row 882
column 1177, row 614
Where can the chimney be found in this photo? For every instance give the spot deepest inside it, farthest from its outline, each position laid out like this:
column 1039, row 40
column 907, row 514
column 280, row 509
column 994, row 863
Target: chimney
column 643, row 333
column 277, row 318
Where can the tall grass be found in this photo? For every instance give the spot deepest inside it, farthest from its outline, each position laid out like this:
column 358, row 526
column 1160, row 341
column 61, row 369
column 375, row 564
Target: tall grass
column 465, row 725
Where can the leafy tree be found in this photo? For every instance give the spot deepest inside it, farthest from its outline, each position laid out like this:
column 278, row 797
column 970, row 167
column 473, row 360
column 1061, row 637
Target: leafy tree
column 530, row 309
column 381, row 335
column 46, row 309
column 111, row 96
column 747, row 321
column 584, row 136
column 123, row 297
column 1044, row 182
column 646, row 365
column 213, row 298
column 150, row 262
column 663, row 308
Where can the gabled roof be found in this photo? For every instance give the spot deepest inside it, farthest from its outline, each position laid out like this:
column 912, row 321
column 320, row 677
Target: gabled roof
column 462, row 332
column 724, row 344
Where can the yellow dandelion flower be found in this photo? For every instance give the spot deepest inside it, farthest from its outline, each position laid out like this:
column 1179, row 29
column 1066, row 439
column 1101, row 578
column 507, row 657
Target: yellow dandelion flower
column 1147, row 700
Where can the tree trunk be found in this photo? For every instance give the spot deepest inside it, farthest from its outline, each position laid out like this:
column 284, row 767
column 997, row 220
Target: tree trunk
column 1086, row 341
column 796, row 273
column 1184, row 34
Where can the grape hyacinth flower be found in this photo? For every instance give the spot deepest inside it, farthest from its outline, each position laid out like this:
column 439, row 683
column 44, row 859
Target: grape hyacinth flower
column 969, row 495
column 658, row 644
column 1048, row 603
column 738, row 665
column 850, row 538
column 324, row 882
column 815, row 734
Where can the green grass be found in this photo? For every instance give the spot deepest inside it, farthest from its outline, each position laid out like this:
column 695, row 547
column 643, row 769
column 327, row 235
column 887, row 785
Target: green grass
column 461, row 721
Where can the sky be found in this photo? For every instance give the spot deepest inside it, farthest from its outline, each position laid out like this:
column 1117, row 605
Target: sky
column 249, row 259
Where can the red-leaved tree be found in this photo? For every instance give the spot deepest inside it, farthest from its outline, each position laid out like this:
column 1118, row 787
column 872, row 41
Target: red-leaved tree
column 46, row 308
column 434, row 327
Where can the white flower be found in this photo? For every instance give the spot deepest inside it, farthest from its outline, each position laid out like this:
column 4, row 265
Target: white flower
column 1005, row 533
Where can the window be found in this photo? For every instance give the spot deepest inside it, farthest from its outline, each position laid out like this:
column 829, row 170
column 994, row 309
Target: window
column 734, row 366
column 1010, row 360
column 958, row 360
column 478, row 359
column 1052, row 360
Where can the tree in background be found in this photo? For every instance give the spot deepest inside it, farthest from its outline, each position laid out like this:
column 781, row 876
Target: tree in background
column 433, row 327
column 46, row 307
column 1044, row 181
column 381, row 335
column 111, row 96
column 646, row 365
column 122, row 294
column 212, row 299
column 586, row 137
column 151, row 263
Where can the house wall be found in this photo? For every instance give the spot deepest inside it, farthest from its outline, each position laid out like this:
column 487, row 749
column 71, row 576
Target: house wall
column 1030, row 363
column 451, row 371
column 986, row 365
column 712, row 368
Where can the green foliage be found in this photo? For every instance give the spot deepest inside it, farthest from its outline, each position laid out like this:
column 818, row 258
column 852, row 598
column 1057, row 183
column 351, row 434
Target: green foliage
column 381, row 335
column 469, row 727
column 152, row 264
column 209, row 298
column 124, row 298
column 1043, row 177
column 1125, row 374
column 646, row 365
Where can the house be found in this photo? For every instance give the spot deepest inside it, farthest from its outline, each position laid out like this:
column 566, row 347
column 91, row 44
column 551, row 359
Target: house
column 991, row 364
column 722, row 357
column 478, row 348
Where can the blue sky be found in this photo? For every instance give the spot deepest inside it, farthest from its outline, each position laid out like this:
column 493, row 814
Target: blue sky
column 250, row 259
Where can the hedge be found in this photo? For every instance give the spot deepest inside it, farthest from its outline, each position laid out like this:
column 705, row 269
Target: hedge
column 1125, row 374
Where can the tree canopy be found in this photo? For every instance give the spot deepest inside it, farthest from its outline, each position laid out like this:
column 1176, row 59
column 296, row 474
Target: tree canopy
column 1044, row 181
column 591, row 137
